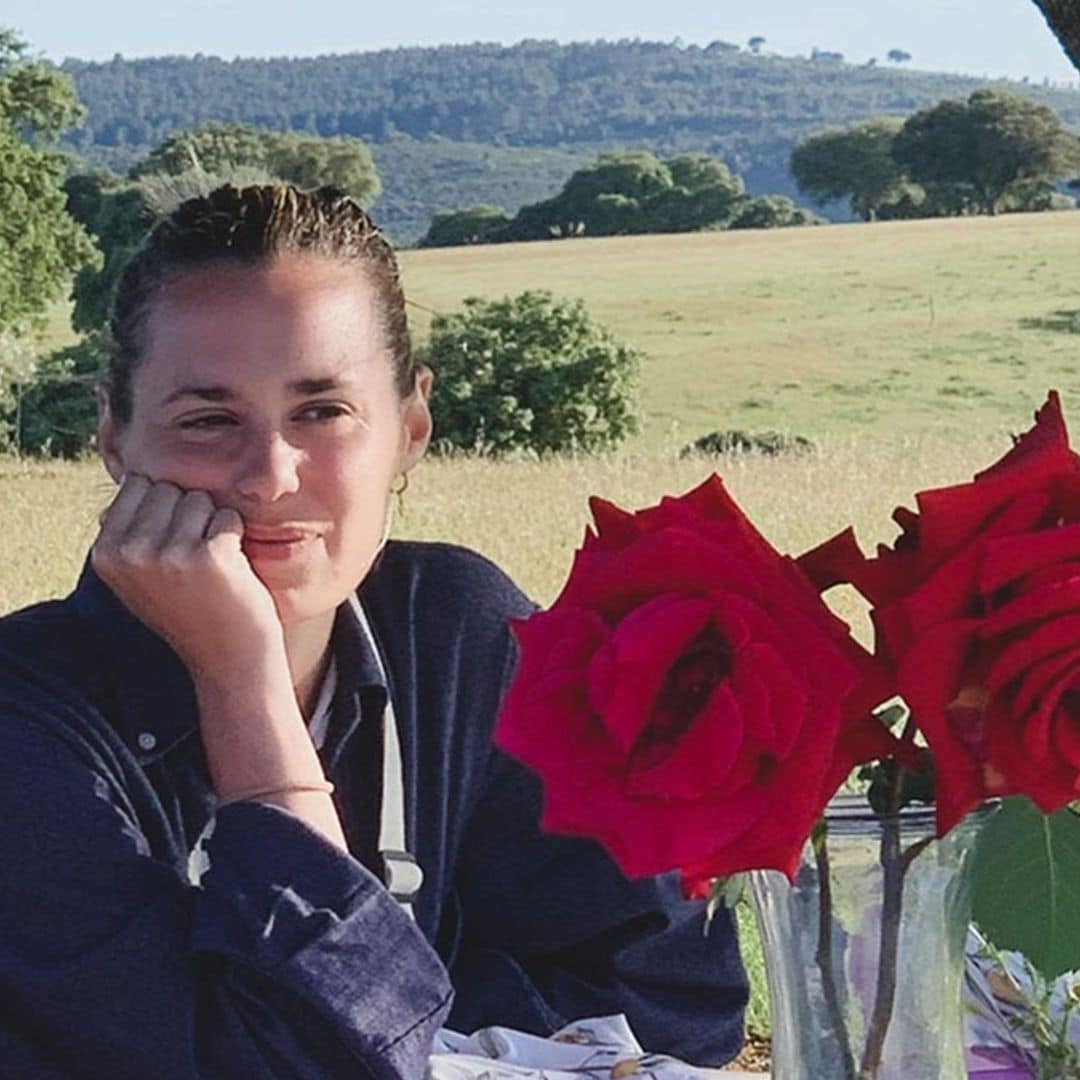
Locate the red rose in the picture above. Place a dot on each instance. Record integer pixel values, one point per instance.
(688, 699)
(978, 607)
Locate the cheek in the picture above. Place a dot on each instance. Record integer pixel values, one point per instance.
(354, 490)
(189, 466)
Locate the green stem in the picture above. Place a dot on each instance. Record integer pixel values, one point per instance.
(824, 955)
(891, 905)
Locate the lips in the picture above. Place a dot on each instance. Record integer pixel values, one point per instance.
(275, 544)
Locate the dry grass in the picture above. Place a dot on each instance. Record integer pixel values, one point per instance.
(529, 516)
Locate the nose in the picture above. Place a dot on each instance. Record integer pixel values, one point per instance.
(268, 468)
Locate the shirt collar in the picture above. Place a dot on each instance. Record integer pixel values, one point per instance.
(154, 705)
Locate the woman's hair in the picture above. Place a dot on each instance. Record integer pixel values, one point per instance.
(250, 226)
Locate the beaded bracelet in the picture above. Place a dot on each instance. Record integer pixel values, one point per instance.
(323, 787)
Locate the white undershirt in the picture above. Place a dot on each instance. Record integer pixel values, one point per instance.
(320, 718)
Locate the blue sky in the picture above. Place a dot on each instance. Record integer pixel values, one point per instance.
(981, 37)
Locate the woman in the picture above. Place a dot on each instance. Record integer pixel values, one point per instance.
(196, 742)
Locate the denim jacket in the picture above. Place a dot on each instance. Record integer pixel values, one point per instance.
(288, 957)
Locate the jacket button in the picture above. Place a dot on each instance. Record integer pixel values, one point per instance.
(147, 741)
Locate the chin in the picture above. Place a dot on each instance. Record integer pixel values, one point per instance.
(302, 602)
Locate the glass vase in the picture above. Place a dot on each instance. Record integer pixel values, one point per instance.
(864, 953)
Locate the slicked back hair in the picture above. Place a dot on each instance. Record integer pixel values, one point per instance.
(250, 226)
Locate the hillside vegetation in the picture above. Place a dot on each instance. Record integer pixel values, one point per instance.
(541, 107)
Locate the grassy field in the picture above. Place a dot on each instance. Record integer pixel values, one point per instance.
(907, 351)
(909, 327)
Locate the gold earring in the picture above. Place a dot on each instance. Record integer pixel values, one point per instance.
(399, 492)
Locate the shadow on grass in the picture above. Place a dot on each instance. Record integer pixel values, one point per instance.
(1063, 321)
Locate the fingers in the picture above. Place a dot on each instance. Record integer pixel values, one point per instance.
(192, 514)
(148, 520)
(225, 523)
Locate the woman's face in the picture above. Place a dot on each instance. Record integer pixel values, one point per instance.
(272, 389)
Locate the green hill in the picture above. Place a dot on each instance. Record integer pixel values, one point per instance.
(538, 107)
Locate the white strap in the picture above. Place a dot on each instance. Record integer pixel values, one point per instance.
(403, 874)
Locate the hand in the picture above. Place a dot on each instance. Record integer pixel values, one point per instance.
(174, 559)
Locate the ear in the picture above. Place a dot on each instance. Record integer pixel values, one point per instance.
(416, 420)
(108, 438)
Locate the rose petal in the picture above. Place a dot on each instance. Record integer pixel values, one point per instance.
(1036, 726)
(669, 561)
(626, 675)
(1043, 447)
(931, 675)
(761, 665)
(1038, 644)
(1014, 557)
(1037, 681)
(1032, 607)
(615, 528)
(699, 761)
(1067, 733)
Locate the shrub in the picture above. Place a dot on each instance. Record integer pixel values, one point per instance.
(773, 212)
(768, 443)
(56, 413)
(476, 225)
(529, 373)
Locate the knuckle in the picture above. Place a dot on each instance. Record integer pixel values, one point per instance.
(135, 551)
(198, 500)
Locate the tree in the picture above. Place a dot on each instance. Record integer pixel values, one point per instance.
(116, 213)
(993, 142)
(898, 56)
(772, 212)
(475, 225)
(529, 373)
(855, 163)
(55, 412)
(305, 160)
(40, 245)
(627, 192)
(1063, 18)
(755, 44)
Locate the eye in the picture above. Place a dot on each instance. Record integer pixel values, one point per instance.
(322, 412)
(206, 422)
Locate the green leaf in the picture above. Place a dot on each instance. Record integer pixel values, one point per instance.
(1027, 884)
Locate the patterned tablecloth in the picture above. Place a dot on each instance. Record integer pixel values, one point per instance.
(601, 1048)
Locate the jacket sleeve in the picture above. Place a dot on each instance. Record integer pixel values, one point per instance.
(553, 931)
(288, 960)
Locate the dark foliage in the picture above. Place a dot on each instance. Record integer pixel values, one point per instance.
(747, 110)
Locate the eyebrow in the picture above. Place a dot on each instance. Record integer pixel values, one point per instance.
(300, 387)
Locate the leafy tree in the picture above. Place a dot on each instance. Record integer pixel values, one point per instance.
(116, 213)
(756, 44)
(305, 160)
(992, 142)
(55, 413)
(855, 163)
(529, 373)
(475, 225)
(635, 192)
(772, 212)
(40, 245)
(898, 56)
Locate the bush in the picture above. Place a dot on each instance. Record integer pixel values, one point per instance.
(768, 443)
(529, 373)
(56, 414)
(476, 225)
(773, 212)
